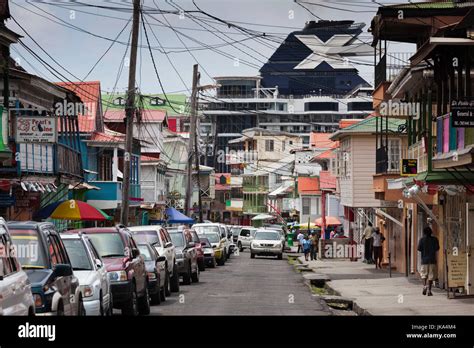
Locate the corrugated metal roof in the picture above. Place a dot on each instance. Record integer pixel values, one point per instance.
(369, 125)
(308, 185)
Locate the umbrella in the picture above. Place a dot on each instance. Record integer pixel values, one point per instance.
(263, 217)
(305, 226)
(330, 220)
(176, 217)
(72, 210)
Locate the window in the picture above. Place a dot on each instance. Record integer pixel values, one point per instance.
(269, 145)
(105, 167)
(394, 155)
(306, 202)
(317, 199)
(283, 146)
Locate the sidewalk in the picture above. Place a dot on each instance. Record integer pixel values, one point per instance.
(374, 293)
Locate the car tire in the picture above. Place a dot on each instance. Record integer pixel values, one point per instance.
(240, 247)
(165, 289)
(60, 310)
(280, 256)
(201, 266)
(174, 284)
(101, 305)
(252, 255)
(213, 264)
(81, 310)
(110, 310)
(156, 297)
(144, 302)
(187, 276)
(130, 308)
(195, 276)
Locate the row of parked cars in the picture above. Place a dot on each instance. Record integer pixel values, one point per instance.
(91, 271)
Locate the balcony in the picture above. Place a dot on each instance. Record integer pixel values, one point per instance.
(69, 161)
(110, 194)
(388, 67)
(252, 209)
(255, 189)
(240, 157)
(388, 161)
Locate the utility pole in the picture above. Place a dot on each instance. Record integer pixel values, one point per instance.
(192, 138)
(194, 110)
(129, 115)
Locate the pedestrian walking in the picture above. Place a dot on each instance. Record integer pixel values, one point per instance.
(377, 239)
(314, 245)
(367, 237)
(428, 246)
(300, 238)
(306, 247)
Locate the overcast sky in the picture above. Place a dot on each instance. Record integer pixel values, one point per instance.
(78, 51)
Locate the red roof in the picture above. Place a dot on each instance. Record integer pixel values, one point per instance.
(308, 185)
(89, 92)
(344, 123)
(322, 141)
(326, 154)
(107, 137)
(145, 158)
(147, 116)
(327, 180)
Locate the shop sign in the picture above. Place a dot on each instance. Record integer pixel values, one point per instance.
(457, 269)
(462, 112)
(36, 129)
(409, 167)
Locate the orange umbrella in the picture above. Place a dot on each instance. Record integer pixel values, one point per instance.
(330, 220)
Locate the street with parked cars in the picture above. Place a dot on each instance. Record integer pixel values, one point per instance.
(140, 270)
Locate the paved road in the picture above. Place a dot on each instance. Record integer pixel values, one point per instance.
(244, 286)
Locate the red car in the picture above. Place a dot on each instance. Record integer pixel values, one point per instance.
(199, 250)
(125, 267)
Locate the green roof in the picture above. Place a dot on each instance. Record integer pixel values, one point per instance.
(369, 125)
(177, 103)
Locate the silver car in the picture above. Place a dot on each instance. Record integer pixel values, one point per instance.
(245, 237)
(266, 242)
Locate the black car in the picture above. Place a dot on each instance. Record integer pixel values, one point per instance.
(186, 255)
(156, 287)
(42, 255)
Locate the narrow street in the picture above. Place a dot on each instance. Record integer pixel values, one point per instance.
(262, 286)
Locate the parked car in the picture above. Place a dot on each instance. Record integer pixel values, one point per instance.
(154, 264)
(209, 255)
(125, 267)
(158, 237)
(266, 242)
(186, 255)
(219, 228)
(213, 234)
(42, 254)
(15, 287)
(235, 230)
(245, 237)
(199, 250)
(90, 270)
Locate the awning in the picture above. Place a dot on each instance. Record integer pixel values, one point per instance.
(395, 184)
(83, 186)
(263, 217)
(176, 217)
(286, 187)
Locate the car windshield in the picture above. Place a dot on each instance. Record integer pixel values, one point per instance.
(212, 237)
(29, 249)
(77, 254)
(177, 238)
(235, 230)
(206, 229)
(267, 235)
(150, 237)
(108, 244)
(145, 251)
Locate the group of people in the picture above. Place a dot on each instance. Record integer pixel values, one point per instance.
(373, 241)
(308, 244)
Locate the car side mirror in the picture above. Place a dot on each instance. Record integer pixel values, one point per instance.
(62, 270)
(98, 263)
(168, 244)
(161, 259)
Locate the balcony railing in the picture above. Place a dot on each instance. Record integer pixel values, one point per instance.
(69, 161)
(390, 65)
(240, 157)
(252, 209)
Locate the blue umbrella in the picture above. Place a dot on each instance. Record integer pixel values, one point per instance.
(46, 211)
(176, 217)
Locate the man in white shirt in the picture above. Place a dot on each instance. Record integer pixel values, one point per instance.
(367, 238)
(300, 238)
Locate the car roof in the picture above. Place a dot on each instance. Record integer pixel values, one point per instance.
(207, 224)
(94, 230)
(70, 236)
(27, 225)
(266, 230)
(145, 228)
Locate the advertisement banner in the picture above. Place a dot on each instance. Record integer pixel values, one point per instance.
(36, 129)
